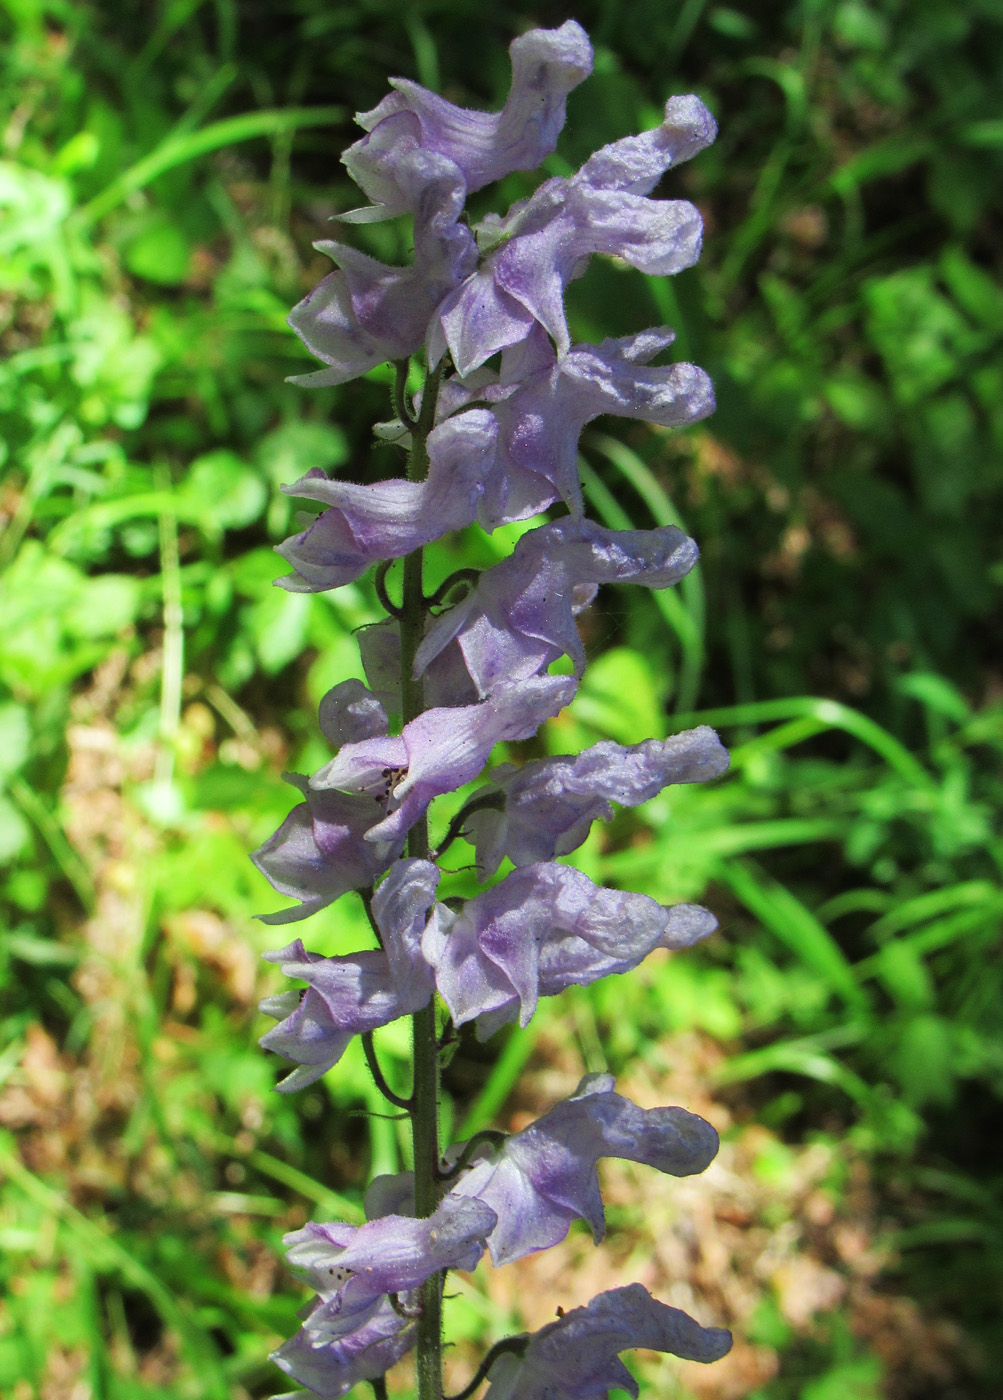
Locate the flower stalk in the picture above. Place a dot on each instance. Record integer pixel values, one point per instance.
(492, 440)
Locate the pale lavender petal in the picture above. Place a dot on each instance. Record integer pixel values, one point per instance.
(353, 1267)
(391, 518)
(546, 65)
(577, 1357)
(521, 615)
(637, 163)
(401, 904)
(320, 852)
(345, 996)
(349, 712)
(476, 320)
(326, 323)
(448, 747)
(331, 1368)
(547, 806)
(543, 928)
(541, 1179)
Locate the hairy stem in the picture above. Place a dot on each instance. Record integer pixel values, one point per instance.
(425, 1095)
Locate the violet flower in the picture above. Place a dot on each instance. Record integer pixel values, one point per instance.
(545, 241)
(438, 752)
(353, 1267)
(390, 518)
(542, 929)
(521, 615)
(543, 1178)
(577, 1357)
(545, 808)
(357, 992)
(331, 1368)
(546, 65)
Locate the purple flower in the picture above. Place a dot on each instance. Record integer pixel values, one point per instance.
(540, 930)
(331, 1368)
(521, 615)
(542, 403)
(577, 1357)
(353, 1267)
(438, 752)
(446, 679)
(367, 311)
(357, 992)
(547, 806)
(546, 65)
(541, 1179)
(320, 852)
(391, 518)
(545, 242)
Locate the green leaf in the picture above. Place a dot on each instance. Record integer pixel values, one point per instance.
(160, 253)
(224, 491)
(15, 738)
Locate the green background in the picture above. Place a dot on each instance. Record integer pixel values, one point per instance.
(164, 169)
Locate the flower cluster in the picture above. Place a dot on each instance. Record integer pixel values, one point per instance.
(492, 438)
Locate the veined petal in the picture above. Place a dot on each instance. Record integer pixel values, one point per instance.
(543, 928)
(331, 1368)
(345, 996)
(521, 615)
(546, 65)
(547, 806)
(320, 852)
(542, 1178)
(391, 518)
(577, 1357)
(353, 1267)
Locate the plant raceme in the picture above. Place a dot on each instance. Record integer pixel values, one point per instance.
(492, 438)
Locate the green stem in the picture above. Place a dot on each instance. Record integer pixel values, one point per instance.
(425, 1095)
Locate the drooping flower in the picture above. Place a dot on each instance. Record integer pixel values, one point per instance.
(365, 524)
(521, 615)
(367, 311)
(546, 241)
(542, 929)
(543, 402)
(356, 992)
(546, 807)
(484, 146)
(577, 1357)
(544, 1177)
(331, 1368)
(353, 1267)
(438, 752)
(320, 851)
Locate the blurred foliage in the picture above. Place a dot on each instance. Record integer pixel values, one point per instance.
(163, 171)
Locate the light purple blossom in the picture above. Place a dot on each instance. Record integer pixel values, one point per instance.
(542, 929)
(547, 806)
(546, 241)
(356, 992)
(438, 752)
(320, 851)
(521, 615)
(541, 1179)
(546, 65)
(391, 518)
(331, 1368)
(368, 311)
(353, 1267)
(577, 1357)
